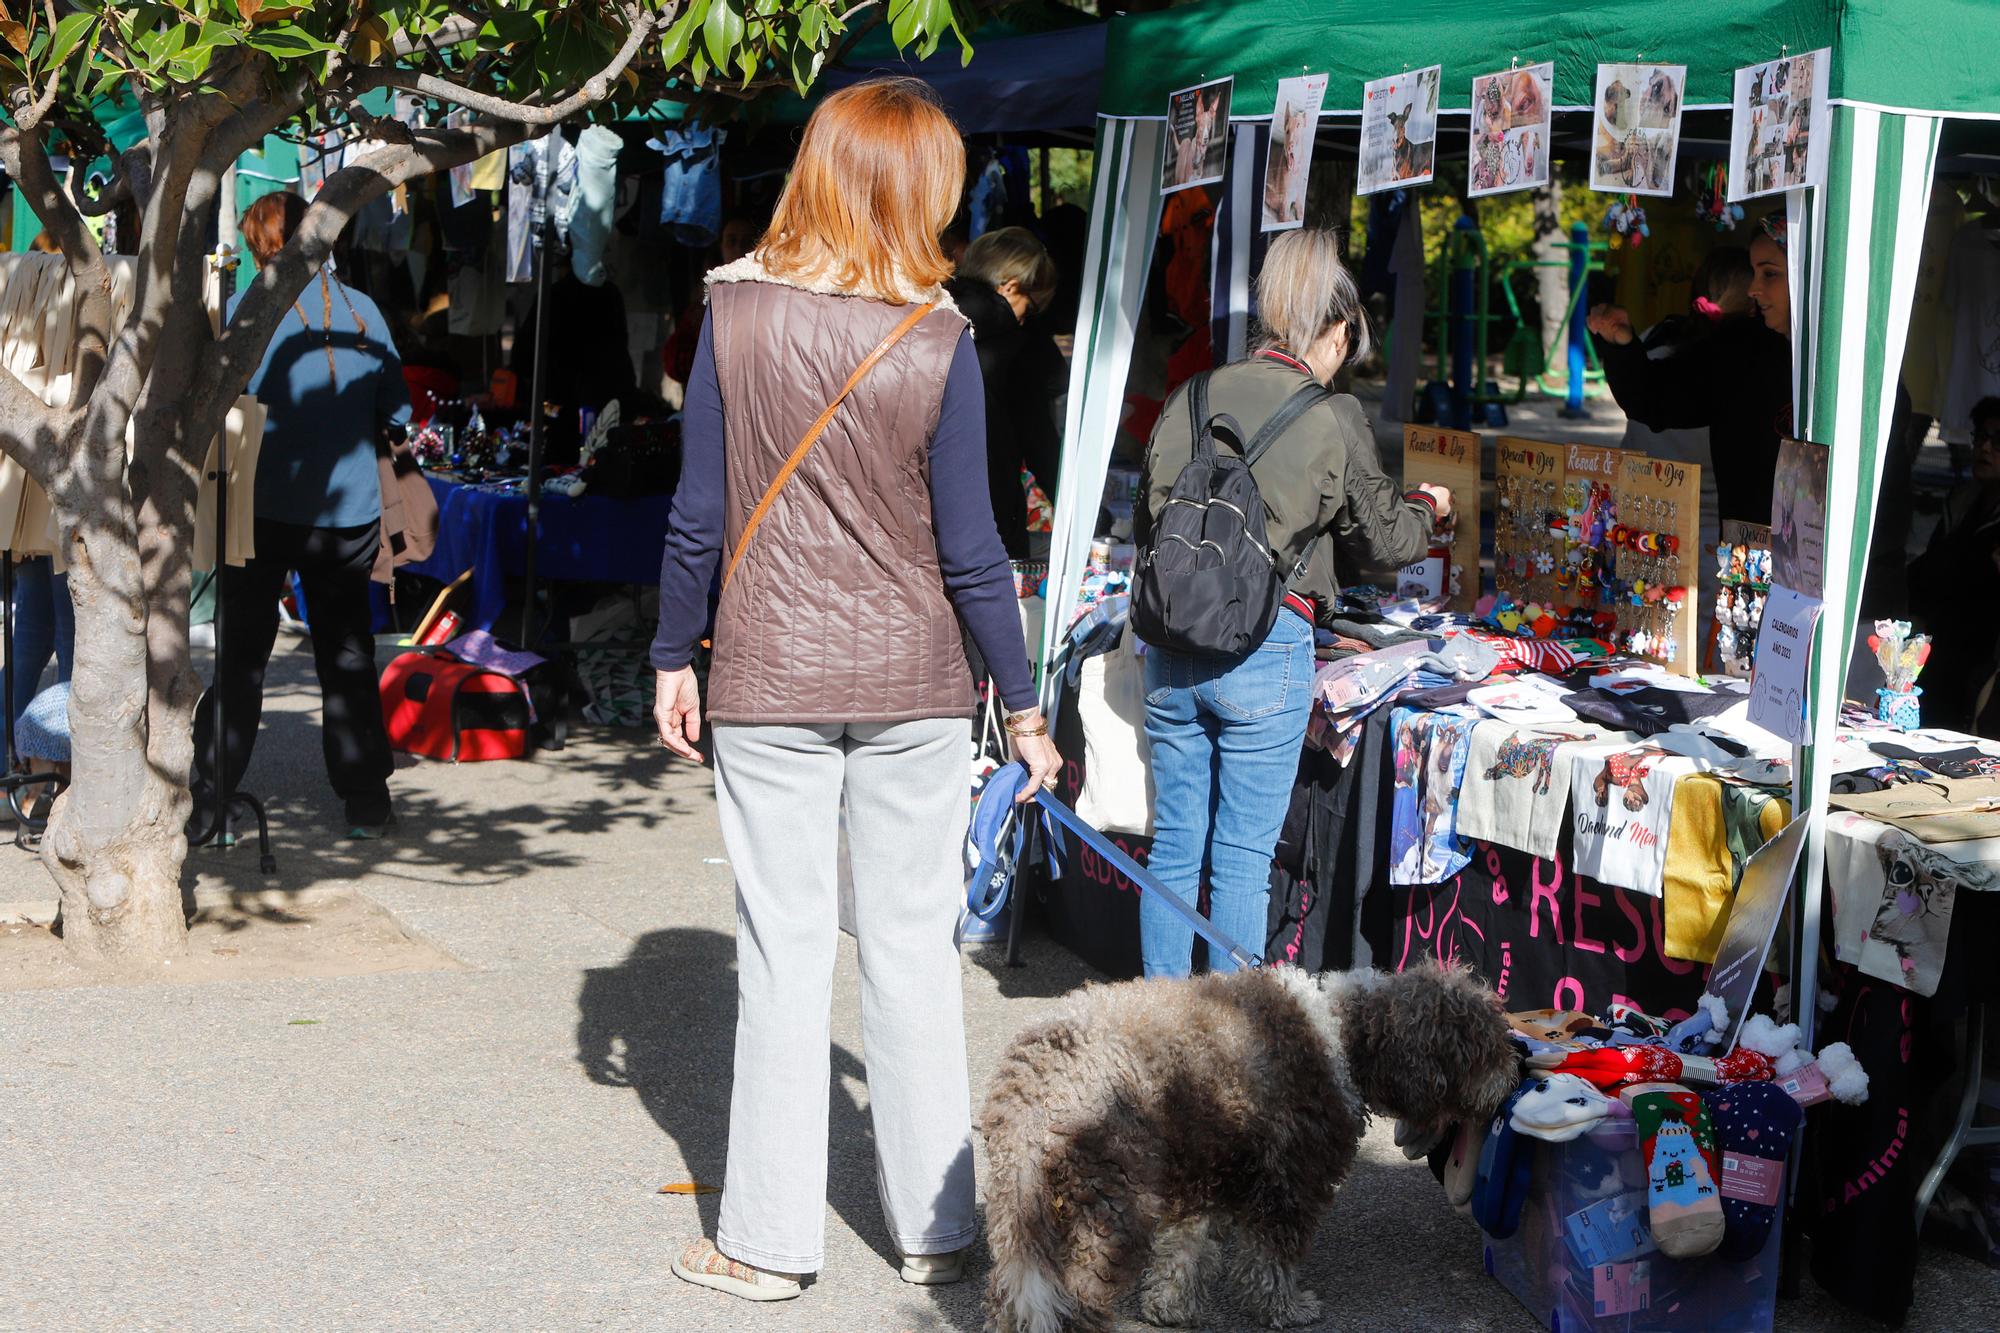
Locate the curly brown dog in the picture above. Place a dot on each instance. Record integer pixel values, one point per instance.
(1155, 1120)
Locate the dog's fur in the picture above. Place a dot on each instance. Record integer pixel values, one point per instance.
(1154, 1120)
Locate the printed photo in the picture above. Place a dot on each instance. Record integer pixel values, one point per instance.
(1294, 122)
(1636, 132)
(1778, 136)
(1798, 518)
(1510, 129)
(1197, 136)
(1399, 130)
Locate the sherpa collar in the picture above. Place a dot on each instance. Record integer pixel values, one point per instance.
(751, 268)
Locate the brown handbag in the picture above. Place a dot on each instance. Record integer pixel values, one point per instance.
(813, 433)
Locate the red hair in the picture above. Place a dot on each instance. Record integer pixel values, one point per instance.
(878, 177)
(270, 222)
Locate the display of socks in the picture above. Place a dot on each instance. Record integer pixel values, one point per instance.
(1754, 1124)
(1683, 1199)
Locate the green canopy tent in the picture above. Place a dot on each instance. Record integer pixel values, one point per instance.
(1901, 68)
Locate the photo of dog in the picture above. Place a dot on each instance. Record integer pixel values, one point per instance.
(1637, 128)
(1510, 117)
(1779, 128)
(1160, 1135)
(1198, 136)
(1294, 122)
(1399, 130)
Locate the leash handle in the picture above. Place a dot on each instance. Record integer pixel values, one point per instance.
(1144, 879)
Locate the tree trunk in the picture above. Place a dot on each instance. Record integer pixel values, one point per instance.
(1552, 284)
(116, 842)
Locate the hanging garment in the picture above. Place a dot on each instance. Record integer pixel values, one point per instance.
(1714, 829)
(691, 194)
(1893, 897)
(1430, 754)
(1972, 295)
(988, 201)
(593, 203)
(1623, 808)
(1517, 782)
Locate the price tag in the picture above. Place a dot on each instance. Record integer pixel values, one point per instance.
(1621, 1288)
(1759, 1180)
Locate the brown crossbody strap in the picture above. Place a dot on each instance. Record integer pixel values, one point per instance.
(813, 433)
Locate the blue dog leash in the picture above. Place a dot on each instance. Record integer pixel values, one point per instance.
(999, 832)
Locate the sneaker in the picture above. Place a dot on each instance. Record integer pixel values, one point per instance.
(934, 1270)
(705, 1266)
(370, 817)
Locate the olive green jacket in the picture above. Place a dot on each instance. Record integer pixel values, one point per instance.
(1322, 476)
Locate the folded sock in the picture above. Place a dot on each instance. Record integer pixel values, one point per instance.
(1559, 1108)
(1461, 1162)
(1610, 1068)
(1505, 1170)
(1754, 1124)
(1683, 1202)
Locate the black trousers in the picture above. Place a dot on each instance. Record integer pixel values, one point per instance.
(333, 566)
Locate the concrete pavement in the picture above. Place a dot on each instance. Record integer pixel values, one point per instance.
(482, 1149)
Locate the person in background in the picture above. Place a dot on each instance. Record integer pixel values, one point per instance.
(1005, 279)
(737, 239)
(1954, 586)
(44, 628)
(1736, 381)
(840, 681)
(331, 383)
(1225, 735)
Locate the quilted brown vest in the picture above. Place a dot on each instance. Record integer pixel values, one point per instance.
(838, 611)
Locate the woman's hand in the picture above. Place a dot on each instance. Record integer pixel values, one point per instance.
(1611, 323)
(677, 710)
(1035, 752)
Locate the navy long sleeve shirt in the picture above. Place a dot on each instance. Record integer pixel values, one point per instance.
(977, 576)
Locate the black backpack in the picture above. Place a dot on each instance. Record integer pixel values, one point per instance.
(1208, 584)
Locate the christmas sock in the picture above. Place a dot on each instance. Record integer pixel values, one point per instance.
(1754, 1124)
(1610, 1068)
(1559, 1108)
(1683, 1204)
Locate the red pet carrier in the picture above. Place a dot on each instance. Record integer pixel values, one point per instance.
(439, 707)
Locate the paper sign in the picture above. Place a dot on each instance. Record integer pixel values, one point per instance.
(1450, 458)
(1778, 681)
(1753, 921)
(1621, 1288)
(1423, 580)
(1510, 130)
(1197, 136)
(1752, 1179)
(1798, 518)
(1779, 134)
(1399, 130)
(1636, 128)
(1294, 125)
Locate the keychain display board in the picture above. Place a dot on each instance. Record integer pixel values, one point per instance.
(1661, 499)
(1743, 575)
(1450, 458)
(1527, 543)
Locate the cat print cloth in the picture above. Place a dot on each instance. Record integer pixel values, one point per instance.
(1517, 782)
(1893, 897)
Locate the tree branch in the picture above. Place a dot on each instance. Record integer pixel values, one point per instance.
(639, 26)
(27, 161)
(449, 33)
(131, 182)
(31, 434)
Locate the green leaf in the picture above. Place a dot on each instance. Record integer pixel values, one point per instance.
(71, 32)
(698, 68)
(510, 27)
(722, 31)
(904, 16)
(287, 41)
(812, 22)
(674, 47)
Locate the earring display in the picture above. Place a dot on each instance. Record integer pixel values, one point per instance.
(1530, 523)
(1450, 458)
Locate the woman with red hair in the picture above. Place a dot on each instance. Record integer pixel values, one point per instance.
(834, 444)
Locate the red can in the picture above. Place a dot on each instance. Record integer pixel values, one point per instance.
(443, 630)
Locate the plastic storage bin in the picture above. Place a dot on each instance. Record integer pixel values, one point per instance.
(1583, 1258)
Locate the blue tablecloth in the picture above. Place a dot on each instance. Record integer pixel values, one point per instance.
(589, 539)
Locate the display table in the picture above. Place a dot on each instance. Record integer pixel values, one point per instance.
(587, 539)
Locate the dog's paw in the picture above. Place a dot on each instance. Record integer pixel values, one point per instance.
(1302, 1309)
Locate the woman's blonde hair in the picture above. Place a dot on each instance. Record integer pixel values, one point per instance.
(1012, 254)
(878, 177)
(1305, 290)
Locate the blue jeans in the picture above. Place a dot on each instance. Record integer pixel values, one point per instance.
(1225, 739)
(44, 627)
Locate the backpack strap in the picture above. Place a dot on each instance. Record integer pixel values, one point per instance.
(1301, 402)
(1198, 419)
